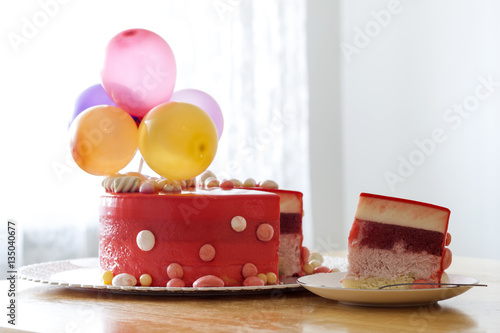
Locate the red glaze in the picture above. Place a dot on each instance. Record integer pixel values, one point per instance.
(182, 224)
(413, 202)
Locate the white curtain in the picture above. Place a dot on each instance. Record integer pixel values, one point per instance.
(420, 108)
(249, 55)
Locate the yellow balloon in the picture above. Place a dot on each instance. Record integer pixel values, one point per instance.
(178, 140)
(103, 140)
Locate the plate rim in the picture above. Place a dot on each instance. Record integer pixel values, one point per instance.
(24, 273)
(342, 294)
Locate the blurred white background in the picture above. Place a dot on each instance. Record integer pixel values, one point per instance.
(391, 97)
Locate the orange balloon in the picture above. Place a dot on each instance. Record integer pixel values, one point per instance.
(178, 140)
(103, 140)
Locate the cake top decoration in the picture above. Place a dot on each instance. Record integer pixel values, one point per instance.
(135, 107)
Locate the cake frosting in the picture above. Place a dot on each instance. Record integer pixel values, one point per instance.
(397, 241)
(193, 231)
(199, 232)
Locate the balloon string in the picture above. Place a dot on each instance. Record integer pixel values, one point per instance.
(140, 164)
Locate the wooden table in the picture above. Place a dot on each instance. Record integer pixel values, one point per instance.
(45, 308)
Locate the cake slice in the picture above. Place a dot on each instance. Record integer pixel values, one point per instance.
(397, 241)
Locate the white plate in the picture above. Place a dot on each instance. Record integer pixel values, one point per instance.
(85, 274)
(328, 285)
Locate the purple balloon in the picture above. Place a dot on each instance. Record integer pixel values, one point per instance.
(92, 96)
(205, 102)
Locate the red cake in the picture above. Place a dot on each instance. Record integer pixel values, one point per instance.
(397, 241)
(226, 236)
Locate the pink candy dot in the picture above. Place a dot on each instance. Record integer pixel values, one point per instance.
(207, 252)
(249, 270)
(421, 286)
(448, 239)
(321, 269)
(176, 283)
(175, 271)
(227, 184)
(447, 257)
(305, 254)
(253, 281)
(265, 232)
(208, 281)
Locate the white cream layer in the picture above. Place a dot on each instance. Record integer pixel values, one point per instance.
(402, 213)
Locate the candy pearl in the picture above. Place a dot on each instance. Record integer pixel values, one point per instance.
(265, 232)
(226, 185)
(447, 258)
(238, 223)
(175, 271)
(308, 269)
(207, 252)
(148, 186)
(124, 280)
(211, 182)
(253, 281)
(145, 240)
(208, 281)
(321, 269)
(249, 270)
(263, 277)
(271, 184)
(316, 256)
(271, 278)
(249, 182)
(207, 174)
(107, 277)
(176, 283)
(190, 183)
(314, 263)
(172, 188)
(145, 280)
(236, 182)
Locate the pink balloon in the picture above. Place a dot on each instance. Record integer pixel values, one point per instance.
(205, 102)
(139, 71)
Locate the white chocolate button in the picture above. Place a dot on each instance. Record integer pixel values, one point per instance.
(205, 175)
(211, 182)
(238, 223)
(124, 280)
(269, 184)
(249, 182)
(145, 240)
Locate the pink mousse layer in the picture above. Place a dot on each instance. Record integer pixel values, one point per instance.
(388, 251)
(372, 262)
